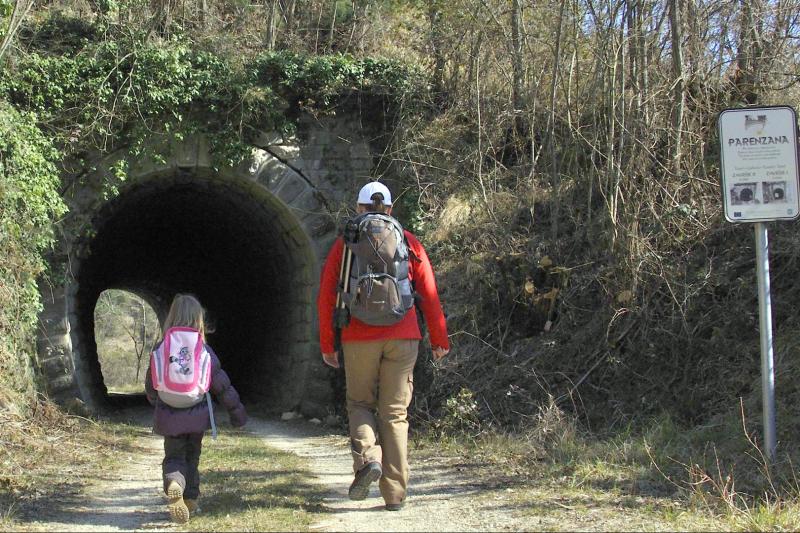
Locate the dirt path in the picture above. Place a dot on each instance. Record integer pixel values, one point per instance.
(441, 497)
(438, 497)
(127, 499)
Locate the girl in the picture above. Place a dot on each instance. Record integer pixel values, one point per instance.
(183, 428)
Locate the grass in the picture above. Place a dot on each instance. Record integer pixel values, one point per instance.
(247, 486)
(658, 477)
(576, 486)
(131, 388)
(49, 451)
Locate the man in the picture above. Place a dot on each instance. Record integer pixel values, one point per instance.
(379, 363)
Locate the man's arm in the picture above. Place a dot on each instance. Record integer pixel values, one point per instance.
(425, 286)
(326, 302)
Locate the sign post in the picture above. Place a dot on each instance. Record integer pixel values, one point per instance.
(765, 327)
(760, 183)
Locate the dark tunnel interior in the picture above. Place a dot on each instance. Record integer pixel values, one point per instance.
(229, 243)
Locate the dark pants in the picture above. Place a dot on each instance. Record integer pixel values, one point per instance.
(181, 459)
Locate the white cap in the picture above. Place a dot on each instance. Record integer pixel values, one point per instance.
(366, 192)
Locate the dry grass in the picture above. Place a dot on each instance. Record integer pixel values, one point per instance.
(660, 476)
(48, 452)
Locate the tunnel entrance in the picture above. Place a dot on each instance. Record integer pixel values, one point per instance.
(229, 242)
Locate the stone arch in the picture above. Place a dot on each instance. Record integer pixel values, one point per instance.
(254, 254)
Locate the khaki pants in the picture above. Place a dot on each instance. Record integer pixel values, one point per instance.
(380, 376)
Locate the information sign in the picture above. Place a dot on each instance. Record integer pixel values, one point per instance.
(758, 152)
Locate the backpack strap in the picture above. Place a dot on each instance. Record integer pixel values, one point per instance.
(412, 255)
(211, 417)
(341, 314)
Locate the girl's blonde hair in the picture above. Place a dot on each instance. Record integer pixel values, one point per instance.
(186, 311)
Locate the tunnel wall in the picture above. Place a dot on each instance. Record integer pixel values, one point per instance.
(310, 179)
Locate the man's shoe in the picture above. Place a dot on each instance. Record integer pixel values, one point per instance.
(364, 477)
(178, 511)
(395, 506)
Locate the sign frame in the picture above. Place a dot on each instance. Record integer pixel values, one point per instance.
(753, 164)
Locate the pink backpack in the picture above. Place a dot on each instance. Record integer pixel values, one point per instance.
(181, 368)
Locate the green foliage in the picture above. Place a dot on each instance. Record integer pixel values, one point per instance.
(29, 201)
(29, 197)
(115, 93)
(6, 8)
(320, 79)
(460, 414)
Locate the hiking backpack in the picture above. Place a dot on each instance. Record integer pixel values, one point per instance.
(181, 368)
(378, 291)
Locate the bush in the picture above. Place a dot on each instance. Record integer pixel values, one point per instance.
(29, 201)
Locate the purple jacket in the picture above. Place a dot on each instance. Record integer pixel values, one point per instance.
(171, 421)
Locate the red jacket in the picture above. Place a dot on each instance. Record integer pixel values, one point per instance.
(420, 275)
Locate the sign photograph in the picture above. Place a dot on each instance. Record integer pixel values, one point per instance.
(759, 164)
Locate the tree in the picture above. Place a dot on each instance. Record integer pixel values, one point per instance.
(126, 329)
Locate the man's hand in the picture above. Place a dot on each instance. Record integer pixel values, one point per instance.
(439, 352)
(331, 359)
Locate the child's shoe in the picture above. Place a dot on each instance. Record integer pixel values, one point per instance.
(178, 511)
(192, 505)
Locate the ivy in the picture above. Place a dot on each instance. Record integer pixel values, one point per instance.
(29, 202)
(29, 197)
(115, 93)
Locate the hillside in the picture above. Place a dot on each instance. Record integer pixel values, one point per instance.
(560, 163)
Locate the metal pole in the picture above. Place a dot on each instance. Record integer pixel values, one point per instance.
(765, 326)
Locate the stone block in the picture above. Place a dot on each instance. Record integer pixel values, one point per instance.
(317, 177)
(311, 151)
(294, 238)
(307, 203)
(184, 153)
(54, 347)
(360, 150)
(263, 167)
(272, 138)
(290, 188)
(64, 397)
(203, 153)
(320, 137)
(63, 383)
(285, 152)
(317, 225)
(322, 247)
(146, 165)
(54, 368)
(54, 322)
(362, 166)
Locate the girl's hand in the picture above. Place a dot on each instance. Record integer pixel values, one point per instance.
(439, 352)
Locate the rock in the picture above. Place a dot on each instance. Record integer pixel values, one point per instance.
(76, 406)
(331, 420)
(315, 421)
(290, 415)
